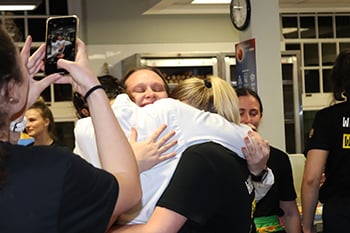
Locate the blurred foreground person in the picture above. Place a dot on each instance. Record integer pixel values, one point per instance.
(49, 189)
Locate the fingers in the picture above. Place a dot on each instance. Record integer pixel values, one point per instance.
(45, 82)
(38, 86)
(157, 133)
(133, 135)
(25, 51)
(252, 126)
(35, 62)
(167, 156)
(166, 137)
(65, 64)
(167, 146)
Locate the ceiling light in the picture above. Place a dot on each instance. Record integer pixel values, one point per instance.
(211, 1)
(19, 5)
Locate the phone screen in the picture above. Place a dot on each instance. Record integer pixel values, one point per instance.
(61, 34)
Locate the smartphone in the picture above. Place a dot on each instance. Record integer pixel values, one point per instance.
(61, 35)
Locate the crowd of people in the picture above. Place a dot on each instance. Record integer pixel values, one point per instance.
(151, 159)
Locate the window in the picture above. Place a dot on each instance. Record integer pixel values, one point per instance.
(319, 37)
(20, 24)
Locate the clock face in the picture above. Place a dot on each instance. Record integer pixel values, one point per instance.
(240, 13)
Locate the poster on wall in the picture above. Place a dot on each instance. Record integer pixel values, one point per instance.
(246, 64)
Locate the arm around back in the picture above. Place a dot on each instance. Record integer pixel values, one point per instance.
(113, 147)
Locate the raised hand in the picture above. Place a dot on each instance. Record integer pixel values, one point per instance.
(151, 152)
(34, 63)
(257, 152)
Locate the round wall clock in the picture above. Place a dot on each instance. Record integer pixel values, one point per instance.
(240, 13)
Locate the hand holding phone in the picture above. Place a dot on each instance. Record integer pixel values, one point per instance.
(61, 35)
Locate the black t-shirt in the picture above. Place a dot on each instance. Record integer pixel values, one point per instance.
(331, 132)
(49, 189)
(282, 189)
(210, 188)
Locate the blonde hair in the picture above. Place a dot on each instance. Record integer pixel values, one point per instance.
(212, 94)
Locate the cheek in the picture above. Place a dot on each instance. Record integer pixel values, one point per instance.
(255, 121)
(162, 95)
(137, 97)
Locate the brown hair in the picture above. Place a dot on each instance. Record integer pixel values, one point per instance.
(9, 70)
(340, 76)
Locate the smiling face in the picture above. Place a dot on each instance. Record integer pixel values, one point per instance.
(36, 124)
(250, 110)
(145, 87)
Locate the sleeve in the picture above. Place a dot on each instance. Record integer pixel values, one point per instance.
(262, 188)
(286, 190)
(85, 142)
(319, 135)
(88, 198)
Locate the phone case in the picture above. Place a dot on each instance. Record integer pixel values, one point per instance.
(61, 34)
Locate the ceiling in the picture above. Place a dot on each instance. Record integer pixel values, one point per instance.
(185, 7)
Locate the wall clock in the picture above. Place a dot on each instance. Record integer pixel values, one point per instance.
(240, 14)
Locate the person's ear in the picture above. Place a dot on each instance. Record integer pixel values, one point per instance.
(85, 112)
(9, 91)
(47, 122)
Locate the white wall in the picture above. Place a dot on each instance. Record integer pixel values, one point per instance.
(115, 29)
(112, 54)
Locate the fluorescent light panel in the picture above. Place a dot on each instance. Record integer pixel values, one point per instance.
(19, 5)
(211, 1)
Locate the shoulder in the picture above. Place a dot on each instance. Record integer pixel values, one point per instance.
(53, 161)
(83, 121)
(84, 125)
(278, 155)
(278, 152)
(211, 152)
(173, 104)
(333, 109)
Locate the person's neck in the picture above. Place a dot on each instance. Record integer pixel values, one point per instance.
(44, 139)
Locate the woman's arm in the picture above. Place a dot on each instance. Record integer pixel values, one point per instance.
(315, 163)
(291, 217)
(113, 147)
(162, 221)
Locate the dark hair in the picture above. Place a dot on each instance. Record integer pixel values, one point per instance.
(340, 76)
(46, 113)
(150, 68)
(79, 104)
(245, 91)
(111, 85)
(9, 70)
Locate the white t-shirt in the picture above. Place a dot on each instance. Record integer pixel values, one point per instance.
(192, 126)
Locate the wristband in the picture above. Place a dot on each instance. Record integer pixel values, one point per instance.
(18, 126)
(92, 89)
(260, 177)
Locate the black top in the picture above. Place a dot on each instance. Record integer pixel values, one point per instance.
(331, 132)
(49, 189)
(283, 187)
(209, 187)
(54, 143)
